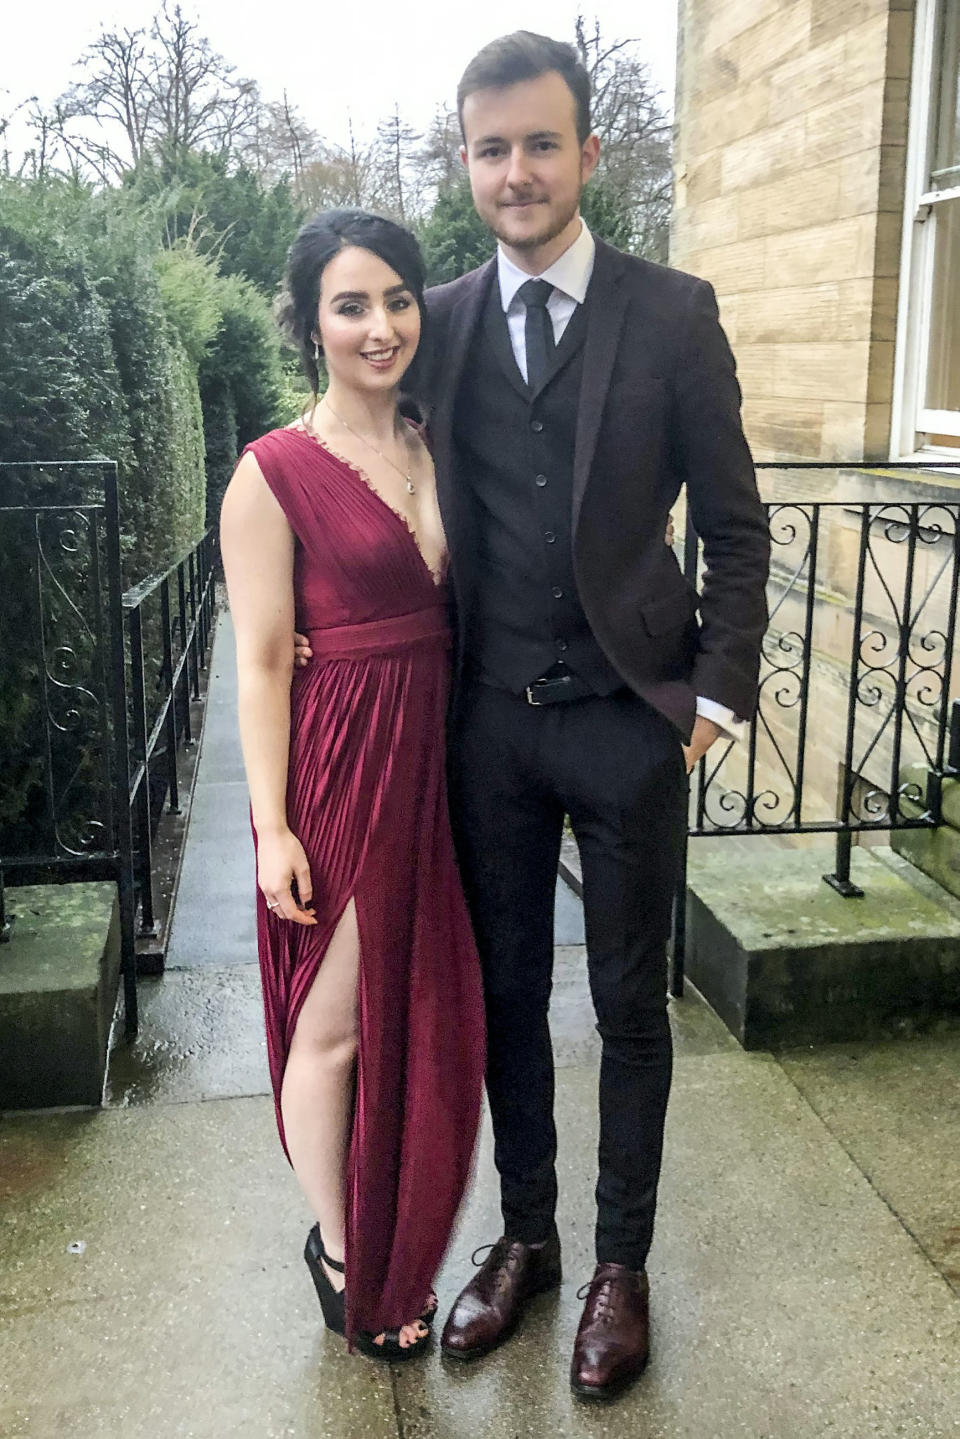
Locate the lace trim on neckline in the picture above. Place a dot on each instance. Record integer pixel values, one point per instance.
(437, 579)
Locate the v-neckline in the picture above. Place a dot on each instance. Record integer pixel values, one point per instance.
(437, 581)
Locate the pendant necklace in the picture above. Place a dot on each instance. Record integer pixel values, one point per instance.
(406, 476)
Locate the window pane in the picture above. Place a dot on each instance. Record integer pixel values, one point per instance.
(946, 164)
(943, 364)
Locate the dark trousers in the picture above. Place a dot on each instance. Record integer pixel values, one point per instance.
(615, 765)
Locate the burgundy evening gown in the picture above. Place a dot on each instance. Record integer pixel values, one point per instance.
(367, 798)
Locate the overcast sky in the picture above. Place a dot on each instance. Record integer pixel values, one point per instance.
(353, 56)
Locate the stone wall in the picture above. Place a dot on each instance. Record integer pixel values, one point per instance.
(791, 132)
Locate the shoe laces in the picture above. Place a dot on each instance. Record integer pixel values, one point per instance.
(502, 1257)
(500, 1252)
(605, 1297)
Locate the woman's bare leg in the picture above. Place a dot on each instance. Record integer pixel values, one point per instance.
(316, 1097)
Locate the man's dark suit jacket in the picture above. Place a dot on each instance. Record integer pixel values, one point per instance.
(659, 408)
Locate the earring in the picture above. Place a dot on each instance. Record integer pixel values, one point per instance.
(317, 352)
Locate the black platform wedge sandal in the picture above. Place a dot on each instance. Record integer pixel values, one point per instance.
(333, 1305)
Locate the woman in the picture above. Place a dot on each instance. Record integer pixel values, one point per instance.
(371, 982)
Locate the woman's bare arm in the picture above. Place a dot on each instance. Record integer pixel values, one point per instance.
(257, 545)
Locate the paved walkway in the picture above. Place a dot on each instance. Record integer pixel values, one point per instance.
(805, 1273)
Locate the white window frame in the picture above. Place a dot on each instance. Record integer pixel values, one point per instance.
(910, 417)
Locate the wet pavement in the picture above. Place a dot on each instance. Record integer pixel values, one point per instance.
(805, 1273)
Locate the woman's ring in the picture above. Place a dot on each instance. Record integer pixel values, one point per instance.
(273, 904)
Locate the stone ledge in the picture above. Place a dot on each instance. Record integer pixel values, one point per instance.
(784, 960)
(936, 852)
(58, 986)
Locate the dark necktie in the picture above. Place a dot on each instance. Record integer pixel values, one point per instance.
(538, 330)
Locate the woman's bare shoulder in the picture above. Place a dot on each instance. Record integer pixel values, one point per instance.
(248, 497)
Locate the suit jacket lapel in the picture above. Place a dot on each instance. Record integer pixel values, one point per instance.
(570, 341)
(604, 321)
(461, 329)
(498, 333)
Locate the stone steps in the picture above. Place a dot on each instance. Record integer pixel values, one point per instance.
(58, 986)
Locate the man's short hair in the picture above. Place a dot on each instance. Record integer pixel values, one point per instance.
(525, 55)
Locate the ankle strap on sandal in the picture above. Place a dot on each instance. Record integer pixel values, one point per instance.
(333, 1264)
(315, 1246)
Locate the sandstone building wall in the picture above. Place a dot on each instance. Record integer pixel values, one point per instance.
(791, 131)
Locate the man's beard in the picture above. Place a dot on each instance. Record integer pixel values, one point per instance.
(556, 227)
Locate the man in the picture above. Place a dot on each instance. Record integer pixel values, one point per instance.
(574, 389)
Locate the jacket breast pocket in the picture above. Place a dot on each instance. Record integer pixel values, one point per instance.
(635, 422)
(646, 395)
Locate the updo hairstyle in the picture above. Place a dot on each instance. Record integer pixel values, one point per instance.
(317, 242)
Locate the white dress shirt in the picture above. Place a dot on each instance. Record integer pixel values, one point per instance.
(570, 276)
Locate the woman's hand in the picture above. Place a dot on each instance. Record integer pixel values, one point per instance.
(281, 861)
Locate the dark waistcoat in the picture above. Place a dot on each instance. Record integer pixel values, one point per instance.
(514, 450)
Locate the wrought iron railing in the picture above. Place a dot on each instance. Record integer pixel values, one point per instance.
(856, 670)
(92, 677)
(169, 621)
(855, 679)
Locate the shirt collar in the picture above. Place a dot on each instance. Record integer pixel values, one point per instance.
(571, 273)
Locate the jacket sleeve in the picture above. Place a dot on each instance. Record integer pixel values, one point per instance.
(429, 363)
(725, 508)
(419, 384)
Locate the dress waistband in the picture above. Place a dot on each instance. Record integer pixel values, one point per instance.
(380, 636)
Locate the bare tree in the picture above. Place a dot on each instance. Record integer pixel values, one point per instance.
(635, 133)
(115, 91)
(361, 162)
(342, 175)
(52, 151)
(281, 146)
(159, 91)
(396, 150)
(198, 102)
(439, 157)
(296, 132)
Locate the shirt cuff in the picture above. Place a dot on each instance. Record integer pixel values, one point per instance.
(730, 725)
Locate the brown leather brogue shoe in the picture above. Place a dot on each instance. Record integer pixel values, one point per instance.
(613, 1340)
(490, 1307)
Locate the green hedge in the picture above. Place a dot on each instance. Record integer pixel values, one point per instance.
(220, 439)
(105, 340)
(60, 389)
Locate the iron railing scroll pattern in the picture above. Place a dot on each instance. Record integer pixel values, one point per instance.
(63, 810)
(73, 681)
(855, 679)
(102, 676)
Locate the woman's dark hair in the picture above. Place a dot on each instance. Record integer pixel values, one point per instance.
(317, 242)
(524, 55)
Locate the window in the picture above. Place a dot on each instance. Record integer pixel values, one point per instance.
(927, 406)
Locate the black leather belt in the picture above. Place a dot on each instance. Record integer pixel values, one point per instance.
(551, 689)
